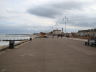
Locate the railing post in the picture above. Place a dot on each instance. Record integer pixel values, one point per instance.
(11, 44)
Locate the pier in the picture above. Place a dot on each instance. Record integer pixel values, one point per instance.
(49, 55)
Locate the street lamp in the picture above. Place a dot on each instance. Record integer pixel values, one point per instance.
(65, 19)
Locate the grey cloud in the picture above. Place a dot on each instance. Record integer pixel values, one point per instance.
(81, 21)
(45, 12)
(3, 17)
(54, 9)
(85, 21)
(68, 5)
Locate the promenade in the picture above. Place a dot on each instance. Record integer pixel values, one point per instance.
(49, 55)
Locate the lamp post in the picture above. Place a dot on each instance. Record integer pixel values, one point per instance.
(65, 19)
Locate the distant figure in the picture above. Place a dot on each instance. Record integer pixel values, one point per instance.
(59, 35)
(53, 36)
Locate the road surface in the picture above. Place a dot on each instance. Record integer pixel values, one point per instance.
(49, 55)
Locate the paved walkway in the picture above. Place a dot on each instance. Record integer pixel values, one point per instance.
(49, 55)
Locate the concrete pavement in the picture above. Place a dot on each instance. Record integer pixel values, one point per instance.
(49, 55)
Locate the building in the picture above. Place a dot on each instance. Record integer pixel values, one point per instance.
(87, 33)
(56, 32)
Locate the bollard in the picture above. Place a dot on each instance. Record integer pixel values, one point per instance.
(11, 44)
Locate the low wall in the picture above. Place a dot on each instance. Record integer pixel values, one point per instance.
(2, 48)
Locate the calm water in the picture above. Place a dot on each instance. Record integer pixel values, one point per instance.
(12, 37)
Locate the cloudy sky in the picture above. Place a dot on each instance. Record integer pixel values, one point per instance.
(29, 16)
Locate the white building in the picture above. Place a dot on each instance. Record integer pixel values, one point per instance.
(56, 32)
(90, 32)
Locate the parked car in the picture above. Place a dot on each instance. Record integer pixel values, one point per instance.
(91, 42)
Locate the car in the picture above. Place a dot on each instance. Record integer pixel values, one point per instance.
(91, 42)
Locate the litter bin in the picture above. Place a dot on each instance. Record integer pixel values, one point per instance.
(11, 44)
(30, 39)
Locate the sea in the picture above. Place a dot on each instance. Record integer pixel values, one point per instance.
(12, 37)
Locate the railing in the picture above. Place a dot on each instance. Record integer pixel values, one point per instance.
(12, 38)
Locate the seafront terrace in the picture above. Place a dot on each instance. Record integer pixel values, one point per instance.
(49, 55)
